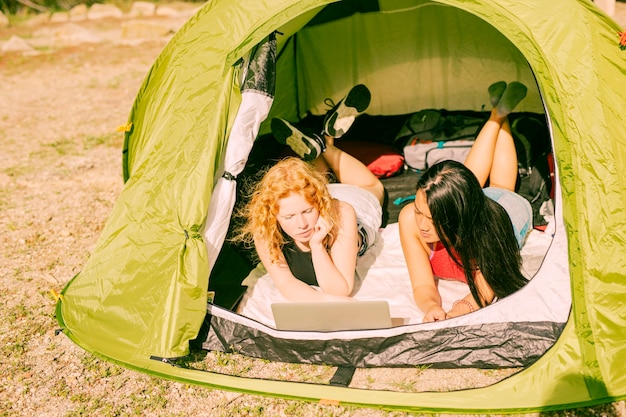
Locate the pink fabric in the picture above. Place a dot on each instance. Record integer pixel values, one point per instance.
(443, 266)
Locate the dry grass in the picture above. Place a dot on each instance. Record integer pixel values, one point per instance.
(60, 174)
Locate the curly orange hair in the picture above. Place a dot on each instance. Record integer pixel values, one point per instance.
(290, 175)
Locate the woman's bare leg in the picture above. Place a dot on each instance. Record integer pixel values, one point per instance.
(504, 168)
(493, 155)
(348, 169)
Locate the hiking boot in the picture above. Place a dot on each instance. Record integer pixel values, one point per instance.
(306, 144)
(339, 119)
(495, 92)
(514, 93)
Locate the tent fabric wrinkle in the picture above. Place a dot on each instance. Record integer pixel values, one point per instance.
(206, 103)
(468, 346)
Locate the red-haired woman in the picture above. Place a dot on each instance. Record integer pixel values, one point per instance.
(308, 233)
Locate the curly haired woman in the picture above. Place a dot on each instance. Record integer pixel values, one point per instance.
(308, 233)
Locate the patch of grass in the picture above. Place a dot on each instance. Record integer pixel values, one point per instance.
(405, 386)
(25, 324)
(148, 400)
(60, 388)
(294, 409)
(235, 364)
(53, 264)
(17, 348)
(318, 374)
(11, 226)
(113, 140)
(114, 82)
(17, 18)
(240, 365)
(248, 410)
(92, 406)
(4, 204)
(18, 312)
(93, 83)
(35, 240)
(16, 171)
(62, 146)
(602, 410)
(99, 368)
(421, 368)
(18, 366)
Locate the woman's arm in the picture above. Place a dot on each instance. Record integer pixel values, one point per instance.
(463, 306)
(335, 270)
(468, 304)
(416, 254)
(289, 286)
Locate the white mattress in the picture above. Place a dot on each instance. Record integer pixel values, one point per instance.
(382, 275)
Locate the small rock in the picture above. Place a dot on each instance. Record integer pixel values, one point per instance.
(101, 11)
(68, 34)
(39, 19)
(142, 8)
(167, 11)
(61, 17)
(78, 13)
(137, 29)
(16, 44)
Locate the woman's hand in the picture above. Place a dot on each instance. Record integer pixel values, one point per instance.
(435, 313)
(462, 307)
(320, 231)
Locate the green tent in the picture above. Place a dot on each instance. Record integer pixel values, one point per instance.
(143, 293)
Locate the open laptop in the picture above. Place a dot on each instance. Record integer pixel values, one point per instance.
(332, 316)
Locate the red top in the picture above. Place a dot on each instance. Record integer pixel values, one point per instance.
(443, 266)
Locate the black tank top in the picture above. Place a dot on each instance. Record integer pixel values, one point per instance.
(300, 263)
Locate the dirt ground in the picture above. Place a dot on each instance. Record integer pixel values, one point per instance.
(60, 174)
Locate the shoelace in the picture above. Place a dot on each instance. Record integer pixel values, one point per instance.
(329, 102)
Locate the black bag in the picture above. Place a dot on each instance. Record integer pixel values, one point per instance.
(535, 166)
(532, 139)
(429, 136)
(432, 125)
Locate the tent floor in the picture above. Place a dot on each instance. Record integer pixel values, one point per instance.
(398, 187)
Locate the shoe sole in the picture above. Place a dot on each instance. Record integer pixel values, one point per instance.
(358, 98)
(286, 134)
(355, 103)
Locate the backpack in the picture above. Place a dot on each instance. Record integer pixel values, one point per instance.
(535, 164)
(429, 136)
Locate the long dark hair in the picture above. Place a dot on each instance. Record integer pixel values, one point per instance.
(474, 227)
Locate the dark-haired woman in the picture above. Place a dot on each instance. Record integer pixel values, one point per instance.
(457, 230)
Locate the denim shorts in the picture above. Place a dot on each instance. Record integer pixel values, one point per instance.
(518, 208)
